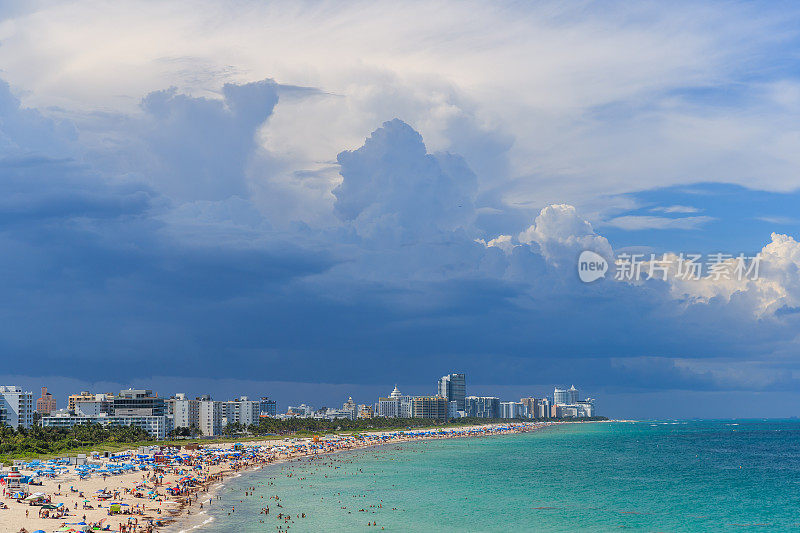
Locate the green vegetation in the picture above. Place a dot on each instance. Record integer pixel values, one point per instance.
(45, 443)
(38, 441)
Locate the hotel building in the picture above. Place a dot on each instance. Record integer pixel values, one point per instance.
(430, 407)
(209, 416)
(156, 426)
(185, 413)
(242, 411)
(16, 407)
(483, 406)
(453, 387)
(46, 404)
(133, 407)
(268, 407)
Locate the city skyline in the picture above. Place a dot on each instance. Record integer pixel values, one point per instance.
(161, 415)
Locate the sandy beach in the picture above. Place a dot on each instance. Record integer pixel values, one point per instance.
(171, 491)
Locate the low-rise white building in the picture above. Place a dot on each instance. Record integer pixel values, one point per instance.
(156, 426)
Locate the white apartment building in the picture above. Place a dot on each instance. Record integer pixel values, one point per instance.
(156, 426)
(101, 404)
(16, 407)
(242, 410)
(210, 417)
(513, 410)
(185, 413)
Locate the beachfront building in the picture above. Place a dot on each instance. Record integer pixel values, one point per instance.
(572, 395)
(531, 404)
(543, 408)
(453, 411)
(430, 407)
(579, 409)
(407, 407)
(537, 407)
(483, 406)
(268, 407)
(513, 410)
(99, 404)
(560, 396)
(185, 412)
(242, 410)
(156, 426)
(16, 407)
(138, 402)
(390, 407)
(133, 407)
(301, 411)
(78, 397)
(350, 408)
(46, 404)
(567, 404)
(209, 416)
(365, 411)
(565, 397)
(453, 387)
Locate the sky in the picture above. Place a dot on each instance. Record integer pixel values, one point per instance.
(316, 200)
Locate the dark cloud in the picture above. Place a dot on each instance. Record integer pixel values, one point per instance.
(148, 256)
(198, 148)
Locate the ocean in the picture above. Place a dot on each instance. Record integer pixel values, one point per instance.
(637, 476)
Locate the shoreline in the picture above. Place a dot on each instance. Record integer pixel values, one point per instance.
(171, 496)
(185, 524)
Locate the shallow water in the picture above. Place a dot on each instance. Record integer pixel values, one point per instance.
(644, 476)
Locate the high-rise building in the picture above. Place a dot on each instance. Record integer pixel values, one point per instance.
(543, 408)
(242, 411)
(301, 410)
(483, 406)
(536, 407)
(185, 413)
(268, 407)
(84, 395)
(508, 410)
(16, 407)
(453, 387)
(46, 404)
(350, 408)
(560, 396)
(430, 407)
(138, 402)
(210, 416)
(396, 405)
(390, 407)
(95, 406)
(132, 408)
(572, 395)
(407, 406)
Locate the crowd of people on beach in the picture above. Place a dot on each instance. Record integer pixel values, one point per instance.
(159, 488)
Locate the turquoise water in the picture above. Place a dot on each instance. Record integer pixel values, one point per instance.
(660, 476)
